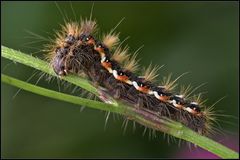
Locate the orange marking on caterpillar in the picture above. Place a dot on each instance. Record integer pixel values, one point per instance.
(164, 98)
(142, 88)
(123, 78)
(91, 41)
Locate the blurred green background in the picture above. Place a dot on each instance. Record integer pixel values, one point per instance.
(196, 37)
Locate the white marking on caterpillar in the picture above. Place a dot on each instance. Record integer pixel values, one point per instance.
(103, 59)
(135, 85)
(115, 74)
(180, 96)
(156, 94)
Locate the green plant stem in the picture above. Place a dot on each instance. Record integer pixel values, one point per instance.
(141, 116)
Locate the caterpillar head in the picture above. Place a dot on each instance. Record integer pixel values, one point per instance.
(58, 62)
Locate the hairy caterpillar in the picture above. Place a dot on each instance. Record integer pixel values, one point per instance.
(76, 50)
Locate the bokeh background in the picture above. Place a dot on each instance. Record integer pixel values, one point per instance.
(196, 37)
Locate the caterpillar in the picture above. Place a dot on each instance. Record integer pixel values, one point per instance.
(107, 64)
(181, 41)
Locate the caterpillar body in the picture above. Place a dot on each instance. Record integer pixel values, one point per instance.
(106, 63)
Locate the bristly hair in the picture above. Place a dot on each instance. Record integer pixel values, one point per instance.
(169, 84)
(88, 26)
(132, 63)
(121, 54)
(199, 99)
(111, 40)
(150, 73)
(72, 28)
(188, 90)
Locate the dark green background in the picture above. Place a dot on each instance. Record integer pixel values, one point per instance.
(199, 37)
